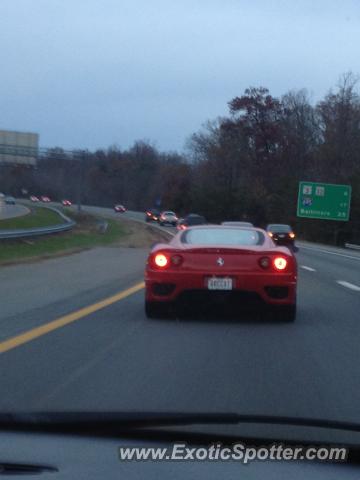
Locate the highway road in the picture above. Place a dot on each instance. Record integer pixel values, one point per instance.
(74, 337)
(11, 211)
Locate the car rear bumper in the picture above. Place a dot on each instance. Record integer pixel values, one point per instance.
(284, 241)
(274, 289)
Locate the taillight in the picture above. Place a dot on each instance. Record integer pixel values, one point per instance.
(164, 260)
(161, 260)
(280, 263)
(270, 234)
(264, 262)
(292, 235)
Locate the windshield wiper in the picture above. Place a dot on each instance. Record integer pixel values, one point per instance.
(139, 420)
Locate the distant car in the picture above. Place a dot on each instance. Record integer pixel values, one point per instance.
(281, 234)
(168, 218)
(34, 198)
(10, 200)
(191, 220)
(238, 224)
(220, 263)
(152, 215)
(119, 208)
(66, 203)
(45, 199)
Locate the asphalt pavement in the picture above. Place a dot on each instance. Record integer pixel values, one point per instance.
(111, 357)
(11, 211)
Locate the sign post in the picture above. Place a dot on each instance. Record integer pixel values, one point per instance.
(324, 201)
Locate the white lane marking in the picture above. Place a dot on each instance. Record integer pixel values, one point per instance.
(329, 252)
(308, 268)
(348, 285)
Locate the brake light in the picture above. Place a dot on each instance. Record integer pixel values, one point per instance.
(280, 263)
(292, 235)
(161, 260)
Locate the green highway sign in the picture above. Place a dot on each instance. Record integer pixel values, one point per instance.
(324, 200)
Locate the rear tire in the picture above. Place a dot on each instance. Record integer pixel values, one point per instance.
(157, 309)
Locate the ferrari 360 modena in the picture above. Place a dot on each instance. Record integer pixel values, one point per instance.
(228, 263)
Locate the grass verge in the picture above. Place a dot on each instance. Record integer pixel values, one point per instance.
(38, 217)
(86, 234)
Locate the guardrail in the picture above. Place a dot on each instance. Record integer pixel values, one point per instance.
(37, 231)
(352, 245)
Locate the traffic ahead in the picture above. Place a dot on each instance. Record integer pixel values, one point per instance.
(86, 336)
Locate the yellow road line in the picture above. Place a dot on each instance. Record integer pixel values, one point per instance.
(66, 319)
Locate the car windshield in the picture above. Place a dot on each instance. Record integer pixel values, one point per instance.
(242, 118)
(279, 228)
(222, 236)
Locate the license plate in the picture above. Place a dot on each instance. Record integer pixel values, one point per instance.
(282, 235)
(220, 284)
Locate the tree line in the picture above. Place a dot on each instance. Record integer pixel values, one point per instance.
(245, 165)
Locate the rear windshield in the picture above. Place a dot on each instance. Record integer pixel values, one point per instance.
(222, 236)
(238, 224)
(279, 228)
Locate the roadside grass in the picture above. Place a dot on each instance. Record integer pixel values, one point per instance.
(86, 234)
(38, 217)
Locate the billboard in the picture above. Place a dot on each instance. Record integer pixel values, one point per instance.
(18, 147)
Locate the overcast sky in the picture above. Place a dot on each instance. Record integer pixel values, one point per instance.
(93, 73)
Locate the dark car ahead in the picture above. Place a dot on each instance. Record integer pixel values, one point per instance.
(191, 220)
(281, 234)
(152, 215)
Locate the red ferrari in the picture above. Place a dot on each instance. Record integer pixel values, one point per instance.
(229, 263)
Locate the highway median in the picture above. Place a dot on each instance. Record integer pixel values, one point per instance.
(38, 217)
(90, 231)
